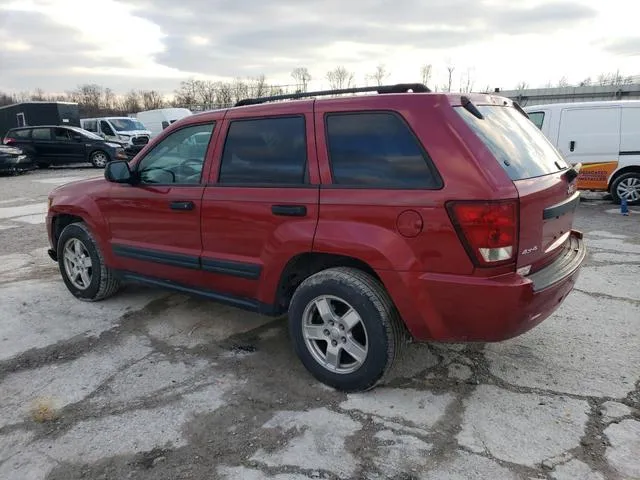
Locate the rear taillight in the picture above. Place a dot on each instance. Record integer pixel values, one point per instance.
(489, 230)
(8, 141)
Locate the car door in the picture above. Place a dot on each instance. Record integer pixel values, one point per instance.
(43, 145)
(107, 132)
(591, 136)
(66, 149)
(260, 208)
(155, 223)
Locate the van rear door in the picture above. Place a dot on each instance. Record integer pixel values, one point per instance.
(545, 183)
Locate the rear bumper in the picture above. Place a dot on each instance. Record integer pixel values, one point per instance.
(461, 308)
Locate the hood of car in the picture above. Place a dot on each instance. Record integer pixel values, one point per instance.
(78, 186)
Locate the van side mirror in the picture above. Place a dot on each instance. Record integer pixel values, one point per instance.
(118, 172)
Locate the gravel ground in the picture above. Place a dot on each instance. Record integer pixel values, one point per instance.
(152, 385)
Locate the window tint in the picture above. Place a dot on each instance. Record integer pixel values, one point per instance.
(106, 128)
(376, 150)
(521, 149)
(537, 118)
(179, 158)
(61, 134)
(269, 150)
(41, 134)
(19, 134)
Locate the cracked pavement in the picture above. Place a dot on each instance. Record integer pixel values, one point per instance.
(155, 385)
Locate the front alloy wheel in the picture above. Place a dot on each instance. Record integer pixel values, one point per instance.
(77, 264)
(99, 159)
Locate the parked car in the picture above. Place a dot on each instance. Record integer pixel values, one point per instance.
(14, 160)
(368, 219)
(59, 145)
(159, 119)
(128, 132)
(603, 136)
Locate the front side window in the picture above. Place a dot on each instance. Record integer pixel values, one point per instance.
(41, 134)
(61, 134)
(537, 118)
(376, 150)
(90, 126)
(179, 158)
(106, 129)
(265, 151)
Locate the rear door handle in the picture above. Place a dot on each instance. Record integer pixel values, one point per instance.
(188, 205)
(289, 210)
(572, 145)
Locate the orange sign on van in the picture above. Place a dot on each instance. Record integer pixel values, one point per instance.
(595, 176)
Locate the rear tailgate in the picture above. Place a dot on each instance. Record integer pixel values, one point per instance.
(545, 184)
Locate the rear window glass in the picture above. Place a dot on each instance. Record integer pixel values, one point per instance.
(41, 134)
(518, 145)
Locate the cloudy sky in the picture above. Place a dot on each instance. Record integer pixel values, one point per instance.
(57, 44)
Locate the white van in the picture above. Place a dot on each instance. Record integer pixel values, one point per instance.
(604, 136)
(159, 119)
(130, 132)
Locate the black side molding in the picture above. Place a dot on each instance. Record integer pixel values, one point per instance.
(560, 209)
(289, 210)
(235, 269)
(629, 152)
(173, 259)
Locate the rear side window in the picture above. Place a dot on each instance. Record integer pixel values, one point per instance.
(265, 151)
(517, 144)
(376, 150)
(19, 134)
(41, 134)
(537, 118)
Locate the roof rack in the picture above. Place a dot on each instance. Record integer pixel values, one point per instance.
(397, 88)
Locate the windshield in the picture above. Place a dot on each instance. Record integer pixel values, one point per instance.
(85, 133)
(126, 124)
(519, 146)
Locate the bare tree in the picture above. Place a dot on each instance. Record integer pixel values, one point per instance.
(224, 94)
(302, 78)
(206, 93)
(132, 102)
(38, 95)
(240, 90)
(425, 73)
(563, 82)
(379, 75)
(604, 79)
(522, 85)
(258, 86)
(151, 99)
(108, 99)
(450, 70)
(585, 83)
(467, 81)
(340, 78)
(187, 94)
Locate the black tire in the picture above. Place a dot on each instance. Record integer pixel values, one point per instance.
(43, 165)
(99, 158)
(367, 296)
(625, 177)
(104, 281)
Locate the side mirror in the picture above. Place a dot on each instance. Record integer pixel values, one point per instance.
(118, 172)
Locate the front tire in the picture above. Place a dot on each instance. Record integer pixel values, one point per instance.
(99, 159)
(345, 328)
(82, 265)
(627, 185)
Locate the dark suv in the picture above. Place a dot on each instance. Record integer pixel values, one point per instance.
(369, 219)
(58, 145)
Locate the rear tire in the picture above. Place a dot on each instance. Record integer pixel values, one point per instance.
(345, 329)
(82, 265)
(626, 184)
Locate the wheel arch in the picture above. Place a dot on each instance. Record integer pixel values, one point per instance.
(620, 172)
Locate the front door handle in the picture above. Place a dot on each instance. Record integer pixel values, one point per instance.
(289, 210)
(572, 145)
(181, 205)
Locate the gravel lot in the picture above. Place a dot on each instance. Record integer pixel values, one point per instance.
(152, 385)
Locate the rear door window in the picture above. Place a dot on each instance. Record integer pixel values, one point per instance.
(41, 134)
(19, 134)
(377, 150)
(517, 144)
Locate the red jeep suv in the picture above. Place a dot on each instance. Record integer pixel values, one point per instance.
(369, 219)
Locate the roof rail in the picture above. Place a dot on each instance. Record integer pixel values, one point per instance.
(397, 88)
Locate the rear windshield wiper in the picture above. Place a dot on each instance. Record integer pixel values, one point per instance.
(471, 108)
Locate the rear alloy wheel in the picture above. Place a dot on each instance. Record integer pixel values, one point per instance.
(627, 186)
(99, 159)
(345, 328)
(82, 265)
